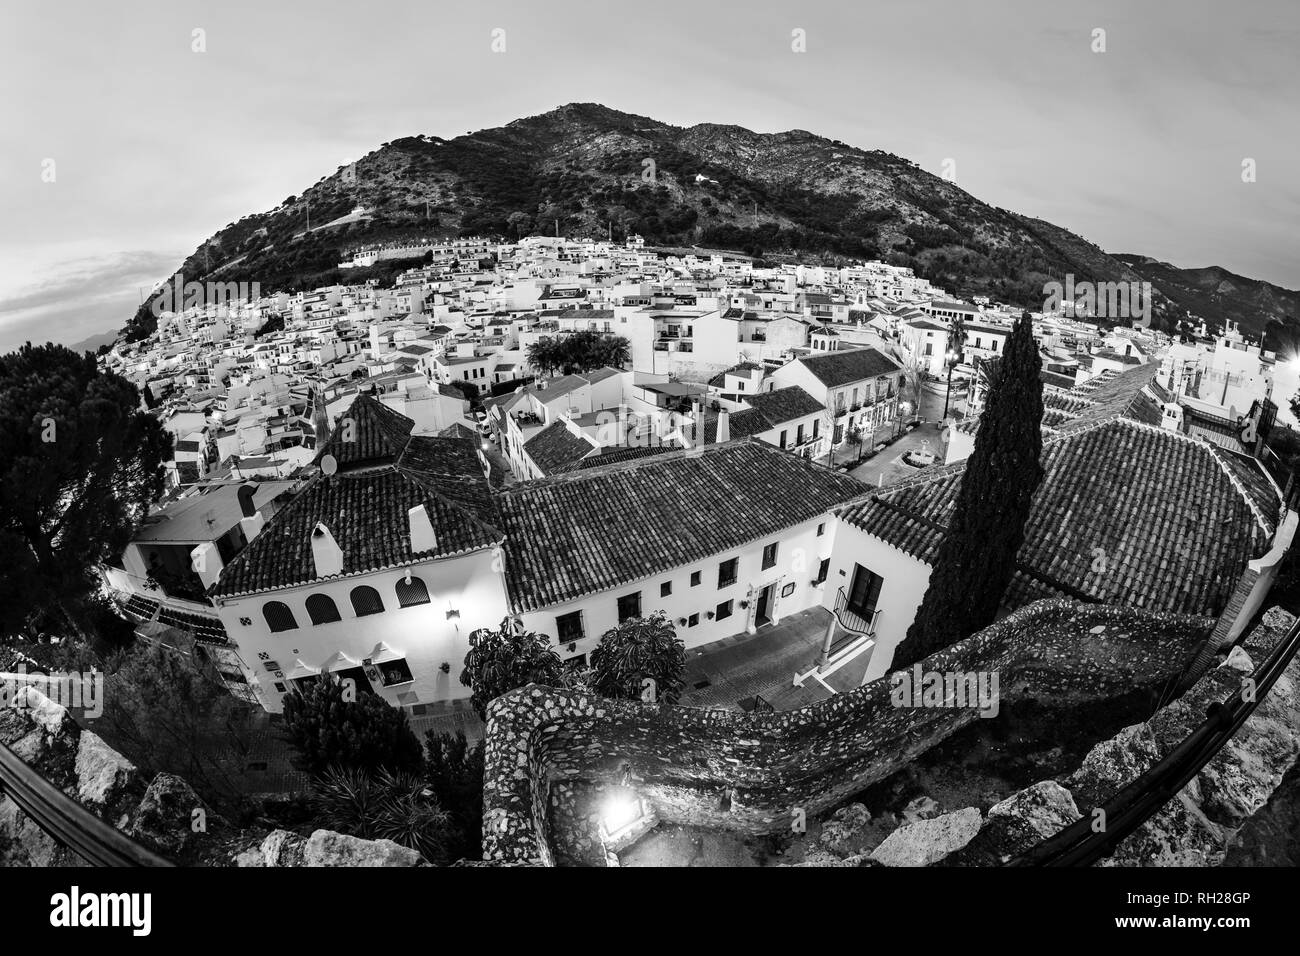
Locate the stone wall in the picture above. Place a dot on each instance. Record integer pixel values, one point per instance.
(550, 752)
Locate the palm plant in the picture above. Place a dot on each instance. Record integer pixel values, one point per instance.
(386, 806)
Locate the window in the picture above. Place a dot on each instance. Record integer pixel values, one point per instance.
(278, 616)
(821, 529)
(395, 672)
(724, 610)
(769, 556)
(666, 589)
(727, 573)
(322, 609)
(783, 434)
(568, 627)
(366, 600)
(629, 606)
(693, 620)
(798, 435)
(823, 569)
(695, 579)
(411, 593)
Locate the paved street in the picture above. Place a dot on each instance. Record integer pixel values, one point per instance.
(764, 663)
(889, 463)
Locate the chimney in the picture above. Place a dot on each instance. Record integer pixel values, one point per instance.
(422, 534)
(246, 493)
(724, 427)
(325, 552)
(206, 562)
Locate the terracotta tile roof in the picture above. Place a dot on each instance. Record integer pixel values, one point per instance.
(368, 433)
(383, 472)
(844, 366)
(784, 404)
(555, 448)
(613, 456)
(1176, 523)
(601, 528)
(366, 512)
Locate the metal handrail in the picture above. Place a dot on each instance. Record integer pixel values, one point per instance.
(67, 821)
(1128, 809)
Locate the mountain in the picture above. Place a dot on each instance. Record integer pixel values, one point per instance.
(591, 170)
(1215, 292)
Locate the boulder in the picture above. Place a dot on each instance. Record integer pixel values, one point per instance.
(105, 779)
(327, 848)
(928, 841)
(166, 819)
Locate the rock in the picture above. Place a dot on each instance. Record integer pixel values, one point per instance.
(1239, 660)
(928, 841)
(843, 831)
(922, 808)
(165, 817)
(327, 848)
(1028, 817)
(279, 848)
(51, 717)
(1111, 765)
(105, 779)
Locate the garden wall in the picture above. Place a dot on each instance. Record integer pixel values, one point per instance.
(553, 754)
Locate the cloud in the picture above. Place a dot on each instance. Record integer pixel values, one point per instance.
(81, 297)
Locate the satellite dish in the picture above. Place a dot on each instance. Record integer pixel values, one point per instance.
(329, 465)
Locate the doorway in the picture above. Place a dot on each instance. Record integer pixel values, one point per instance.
(763, 610)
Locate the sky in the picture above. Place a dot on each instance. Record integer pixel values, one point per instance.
(122, 147)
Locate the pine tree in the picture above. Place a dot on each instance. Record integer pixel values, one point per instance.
(978, 554)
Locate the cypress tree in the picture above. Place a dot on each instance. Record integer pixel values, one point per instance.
(977, 556)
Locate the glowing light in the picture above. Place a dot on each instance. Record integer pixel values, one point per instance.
(621, 810)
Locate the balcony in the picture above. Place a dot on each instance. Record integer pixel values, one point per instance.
(859, 621)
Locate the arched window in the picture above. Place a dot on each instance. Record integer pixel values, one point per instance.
(322, 609)
(366, 600)
(412, 593)
(278, 616)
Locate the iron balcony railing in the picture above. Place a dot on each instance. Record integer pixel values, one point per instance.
(852, 617)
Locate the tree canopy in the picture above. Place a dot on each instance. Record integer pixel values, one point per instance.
(576, 352)
(506, 658)
(80, 463)
(640, 659)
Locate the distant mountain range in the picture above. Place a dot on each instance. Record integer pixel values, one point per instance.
(585, 169)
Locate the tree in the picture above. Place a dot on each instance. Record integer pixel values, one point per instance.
(454, 771)
(79, 465)
(330, 724)
(978, 554)
(501, 660)
(641, 654)
(164, 713)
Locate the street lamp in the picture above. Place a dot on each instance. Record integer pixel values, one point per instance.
(952, 363)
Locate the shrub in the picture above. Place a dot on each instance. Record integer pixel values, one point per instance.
(327, 728)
